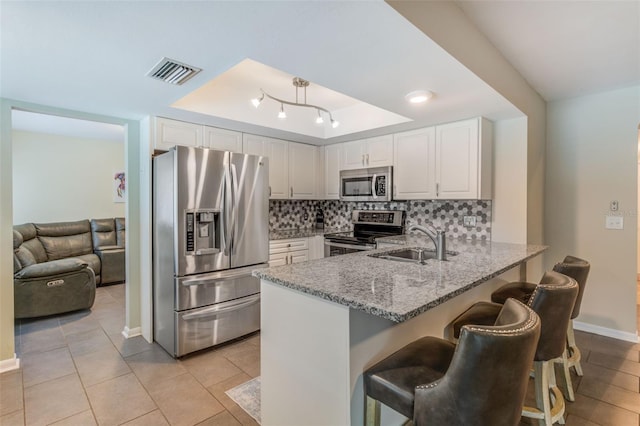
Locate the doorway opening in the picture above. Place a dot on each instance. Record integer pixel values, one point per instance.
(73, 170)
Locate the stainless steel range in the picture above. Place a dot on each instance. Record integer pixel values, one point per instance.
(367, 226)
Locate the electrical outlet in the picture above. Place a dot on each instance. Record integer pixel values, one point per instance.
(613, 206)
(469, 221)
(614, 222)
(305, 216)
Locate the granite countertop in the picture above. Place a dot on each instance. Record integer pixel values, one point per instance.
(284, 234)
(399, 291)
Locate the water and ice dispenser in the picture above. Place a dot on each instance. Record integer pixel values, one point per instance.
(202, 236)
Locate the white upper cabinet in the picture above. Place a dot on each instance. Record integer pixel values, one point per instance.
(451, 162)
(332, 167)
(222, 139)
(277, 151)
(278, 154)
(303, 171)
(169, 133)
(464, 160)
(372, 152)
(379, 151)
(353, 155)
(254, 145)
(414, 169)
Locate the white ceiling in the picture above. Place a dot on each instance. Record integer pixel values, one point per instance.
(93, 56)
(564, 48)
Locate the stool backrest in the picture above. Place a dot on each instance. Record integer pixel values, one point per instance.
(486, 381)
(578, 269)
(553, 301)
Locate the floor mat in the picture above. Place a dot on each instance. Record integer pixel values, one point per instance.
(247, 396)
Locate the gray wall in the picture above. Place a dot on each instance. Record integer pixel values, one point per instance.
(591, 160)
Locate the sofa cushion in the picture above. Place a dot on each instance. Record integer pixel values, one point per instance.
(55, 267)
(65, 239)
(103, 232)
(94, 262)
(120, 231)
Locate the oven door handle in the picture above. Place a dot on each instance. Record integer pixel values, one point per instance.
(349, 246)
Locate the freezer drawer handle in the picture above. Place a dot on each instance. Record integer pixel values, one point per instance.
(226, 276)
(224, 308)
(207, 251)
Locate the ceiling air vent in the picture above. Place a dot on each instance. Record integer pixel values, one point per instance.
(171, 71)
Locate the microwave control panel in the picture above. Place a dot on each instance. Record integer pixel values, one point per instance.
(381, 186)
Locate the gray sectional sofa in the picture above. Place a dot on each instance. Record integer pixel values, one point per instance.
(58, 265)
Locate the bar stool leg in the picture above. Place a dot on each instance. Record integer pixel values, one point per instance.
(574, 352)
(549, 400)
(566, 376)
(372, 415)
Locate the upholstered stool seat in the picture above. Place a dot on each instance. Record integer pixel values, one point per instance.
(394, 379)
(481, 381)
(519, 290)
(553, 300)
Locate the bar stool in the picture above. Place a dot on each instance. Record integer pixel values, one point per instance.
(481, 381)
(578, 269)
(553, 300)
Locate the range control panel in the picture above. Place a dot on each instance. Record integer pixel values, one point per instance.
(378, 217)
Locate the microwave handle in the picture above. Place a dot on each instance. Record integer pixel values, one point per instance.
(373, 186)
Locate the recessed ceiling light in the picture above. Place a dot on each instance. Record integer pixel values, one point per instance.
(419, 96)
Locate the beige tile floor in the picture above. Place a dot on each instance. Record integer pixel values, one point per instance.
(77, 369)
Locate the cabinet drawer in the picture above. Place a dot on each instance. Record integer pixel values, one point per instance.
(285, 246)
(288, 258)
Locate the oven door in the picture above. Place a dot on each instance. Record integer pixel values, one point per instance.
(335, 249)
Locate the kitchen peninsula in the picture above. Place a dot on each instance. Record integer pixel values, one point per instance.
(326, 321)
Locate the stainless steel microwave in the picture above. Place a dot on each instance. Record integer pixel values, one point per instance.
(372, 184)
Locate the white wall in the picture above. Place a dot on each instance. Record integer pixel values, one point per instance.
(59, 178)
(509, 218)
(592, 148)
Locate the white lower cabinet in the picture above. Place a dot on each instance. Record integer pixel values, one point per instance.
(287, 252)
(295, 250)
(316, 247)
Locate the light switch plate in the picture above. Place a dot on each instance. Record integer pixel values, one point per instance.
(614, 222)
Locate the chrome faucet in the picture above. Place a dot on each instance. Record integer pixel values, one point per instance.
(438, 238)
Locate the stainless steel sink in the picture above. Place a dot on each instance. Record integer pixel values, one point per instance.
(413, 255)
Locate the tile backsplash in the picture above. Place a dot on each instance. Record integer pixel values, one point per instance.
(447, 214)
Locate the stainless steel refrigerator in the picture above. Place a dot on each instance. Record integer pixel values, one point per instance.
(210, 230)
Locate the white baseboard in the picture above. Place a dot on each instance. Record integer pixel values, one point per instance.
(9, 364)
(607, 332)
(131, 332)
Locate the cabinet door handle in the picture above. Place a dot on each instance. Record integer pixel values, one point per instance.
(269, 190)
(367, 159)
(363, 159)
(291, 191)
(437, 189)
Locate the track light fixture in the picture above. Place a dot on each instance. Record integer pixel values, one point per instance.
(298, 83)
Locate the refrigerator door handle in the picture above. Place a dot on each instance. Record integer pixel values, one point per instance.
(225, 227)
(234, 201)
(223, 308)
